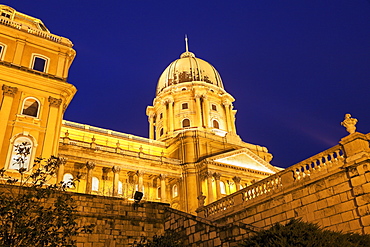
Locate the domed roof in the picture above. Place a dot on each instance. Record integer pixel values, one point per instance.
(188, 68)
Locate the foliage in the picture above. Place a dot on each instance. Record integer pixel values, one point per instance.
(33, 212)
(169, 239)
(301, 234)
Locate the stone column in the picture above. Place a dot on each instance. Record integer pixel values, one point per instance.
(151, 127)
(60, 173)
(228, 115)
(170, 115)
(5, 107)
(163, 187)
(233, 118)
(217, 177)
(51, 127)
(140, 175)
(115, 170)
(205, 112)
(198, 111)
(237, 182)
(208, 176)
(90, 167)
(164, 120)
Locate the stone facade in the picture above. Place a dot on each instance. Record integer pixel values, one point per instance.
(193, 146)
(193, 159)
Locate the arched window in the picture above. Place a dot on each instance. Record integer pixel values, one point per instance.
(185, 123)
(161, 132)
(216, 125)
(120, 188)
(31, 107)
(39, 63)
(67, 180)
(21, 155)
(222, 188)
(174, 191)
(95, 184)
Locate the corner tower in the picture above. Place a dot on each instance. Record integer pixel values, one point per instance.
(190, 96)
(34, 94)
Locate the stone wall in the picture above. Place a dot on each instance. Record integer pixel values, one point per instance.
(118, 222)
(331, 188)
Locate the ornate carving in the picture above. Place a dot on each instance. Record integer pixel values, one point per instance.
(116, 169)
(90, 165)
(349, 123)
(62, 161)
(226, 103)
(107, 169)
(9, 91)
(206, 175)
(140, 173)
(217, 175)
(54, 101)
(201, 199)
(237, 179)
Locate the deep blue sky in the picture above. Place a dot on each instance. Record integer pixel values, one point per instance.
(294, 67)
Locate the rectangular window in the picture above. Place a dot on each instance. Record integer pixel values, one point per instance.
(6, 15)
(214, 107)
(184, 106)
(1, 51)
(39, 64)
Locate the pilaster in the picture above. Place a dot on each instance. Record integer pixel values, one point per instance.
(5, 108)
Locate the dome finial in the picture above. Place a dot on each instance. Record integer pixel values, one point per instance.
(186, 43)
(187, 53)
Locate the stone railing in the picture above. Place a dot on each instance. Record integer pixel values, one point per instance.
(316, 165)
(143, 153)
(36, 32)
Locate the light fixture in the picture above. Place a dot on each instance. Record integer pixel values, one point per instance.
(138, 196)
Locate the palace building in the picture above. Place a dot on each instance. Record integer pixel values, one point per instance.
(193, 154)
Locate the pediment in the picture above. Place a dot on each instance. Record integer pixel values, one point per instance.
(244, 158)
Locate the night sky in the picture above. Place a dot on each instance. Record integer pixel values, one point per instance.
(294, 67)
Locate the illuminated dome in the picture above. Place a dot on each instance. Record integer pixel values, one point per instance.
(188, 68)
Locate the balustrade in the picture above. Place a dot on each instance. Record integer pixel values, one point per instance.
(304, 169)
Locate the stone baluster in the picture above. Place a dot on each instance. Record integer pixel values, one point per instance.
(90, 167)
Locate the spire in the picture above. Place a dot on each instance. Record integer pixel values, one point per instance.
(186, 43)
